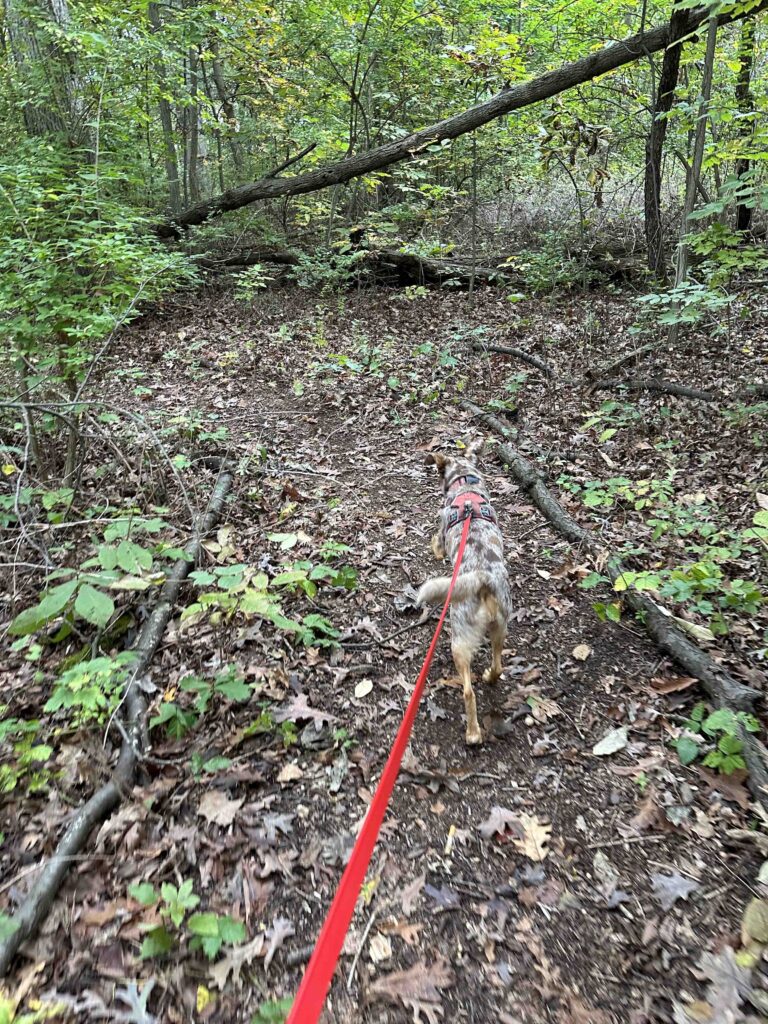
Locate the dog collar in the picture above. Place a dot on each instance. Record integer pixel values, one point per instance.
(461, 480)
(472, 505)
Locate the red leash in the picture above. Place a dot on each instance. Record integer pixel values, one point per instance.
(310, 998)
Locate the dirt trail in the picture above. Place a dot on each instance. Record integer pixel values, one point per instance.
(564, 919)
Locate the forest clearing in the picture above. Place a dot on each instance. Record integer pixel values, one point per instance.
(250, 306)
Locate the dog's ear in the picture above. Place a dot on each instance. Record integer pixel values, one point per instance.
(438, 460)
(474, 449)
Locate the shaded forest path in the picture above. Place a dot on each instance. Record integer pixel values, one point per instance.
(629, 866)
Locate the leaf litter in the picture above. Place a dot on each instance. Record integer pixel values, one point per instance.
(495, 908)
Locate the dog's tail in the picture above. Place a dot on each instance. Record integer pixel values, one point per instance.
(469, 584)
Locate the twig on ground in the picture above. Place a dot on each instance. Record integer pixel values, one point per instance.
(40, 898)
(385, 640)
(518, 353)
(353, 968)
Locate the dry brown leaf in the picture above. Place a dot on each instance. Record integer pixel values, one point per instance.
(498, 821)
(581, 652)
(379, 948)
(234, 960)
(672, 683)
(419, 984)
(290, 773)
(408, 932)
(535, 837)
(216, 806)
(411, 894)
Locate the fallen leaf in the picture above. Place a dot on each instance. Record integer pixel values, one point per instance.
(445, 897)
(290, 773)
(606, 874)
(668, 889)
(611, 743)
(535, 837)
(419, 984)
(693, 629)
(499, 819)
(672, 684)
(380, 948)
(216, 807)
(299, 710)
(762, 500)
(581, 652)
(411, 894)
(281, 930)
(754, 924)
(407, 931)
(363, 688)
(234, 960)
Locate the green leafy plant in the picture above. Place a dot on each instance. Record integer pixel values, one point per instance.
(206, 931)
(19, 738)
(89, 689)
(715, 736)
(229, 684)
(275, 1011)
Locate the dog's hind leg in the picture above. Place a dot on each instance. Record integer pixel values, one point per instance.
(498, 631)
(462, 659)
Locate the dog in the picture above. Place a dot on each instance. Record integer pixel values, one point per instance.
(480, 602)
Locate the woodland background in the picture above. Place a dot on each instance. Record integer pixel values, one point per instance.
(250, 251)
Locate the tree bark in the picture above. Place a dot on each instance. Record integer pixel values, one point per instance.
(745, 104)
(228, 109)
(683, 252)
(166, 121)
(513, 98)
(654, 149)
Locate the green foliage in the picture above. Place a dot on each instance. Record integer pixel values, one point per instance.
(228, 684)
(273, 1012)
(75, 258)
(19, 739)
(250, 281)
(327, 270)
(89, 689)
(715, 736)
(206, 930)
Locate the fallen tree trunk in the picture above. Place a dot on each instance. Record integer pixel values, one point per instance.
(518, 353)
(39, 900)
(406, 267)
(515, 97)
(668, 387)
(722, 689)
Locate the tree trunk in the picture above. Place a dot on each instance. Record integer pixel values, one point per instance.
(33, 49)
(513, 98)
(654, 149)
(193, 132)
(745, 104)
(681, 273)
(228, 109)
(166, 121)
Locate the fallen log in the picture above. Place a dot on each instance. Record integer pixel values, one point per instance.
(514, 97)
(667, 387)
(39, 899)
(518, 353)
(406, 268)
(723, 690)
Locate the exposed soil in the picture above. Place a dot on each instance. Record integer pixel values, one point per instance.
(331, 407)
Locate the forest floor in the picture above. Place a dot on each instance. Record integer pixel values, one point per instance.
(530, 880)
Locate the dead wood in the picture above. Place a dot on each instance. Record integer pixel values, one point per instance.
(518, 353)
(514, 97)
(667, 387)
(599, 373)
(39, 899)
(722, 689)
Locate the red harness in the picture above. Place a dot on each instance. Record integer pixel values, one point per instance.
(470, 505)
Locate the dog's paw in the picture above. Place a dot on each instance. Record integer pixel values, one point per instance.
(489, 676)
(474, 737)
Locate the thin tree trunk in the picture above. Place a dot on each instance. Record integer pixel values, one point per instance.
(229, 110)
(166, 122)
(681, 272)
(193, 131)
(745, 104)
(654, 149)
(512, 98)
